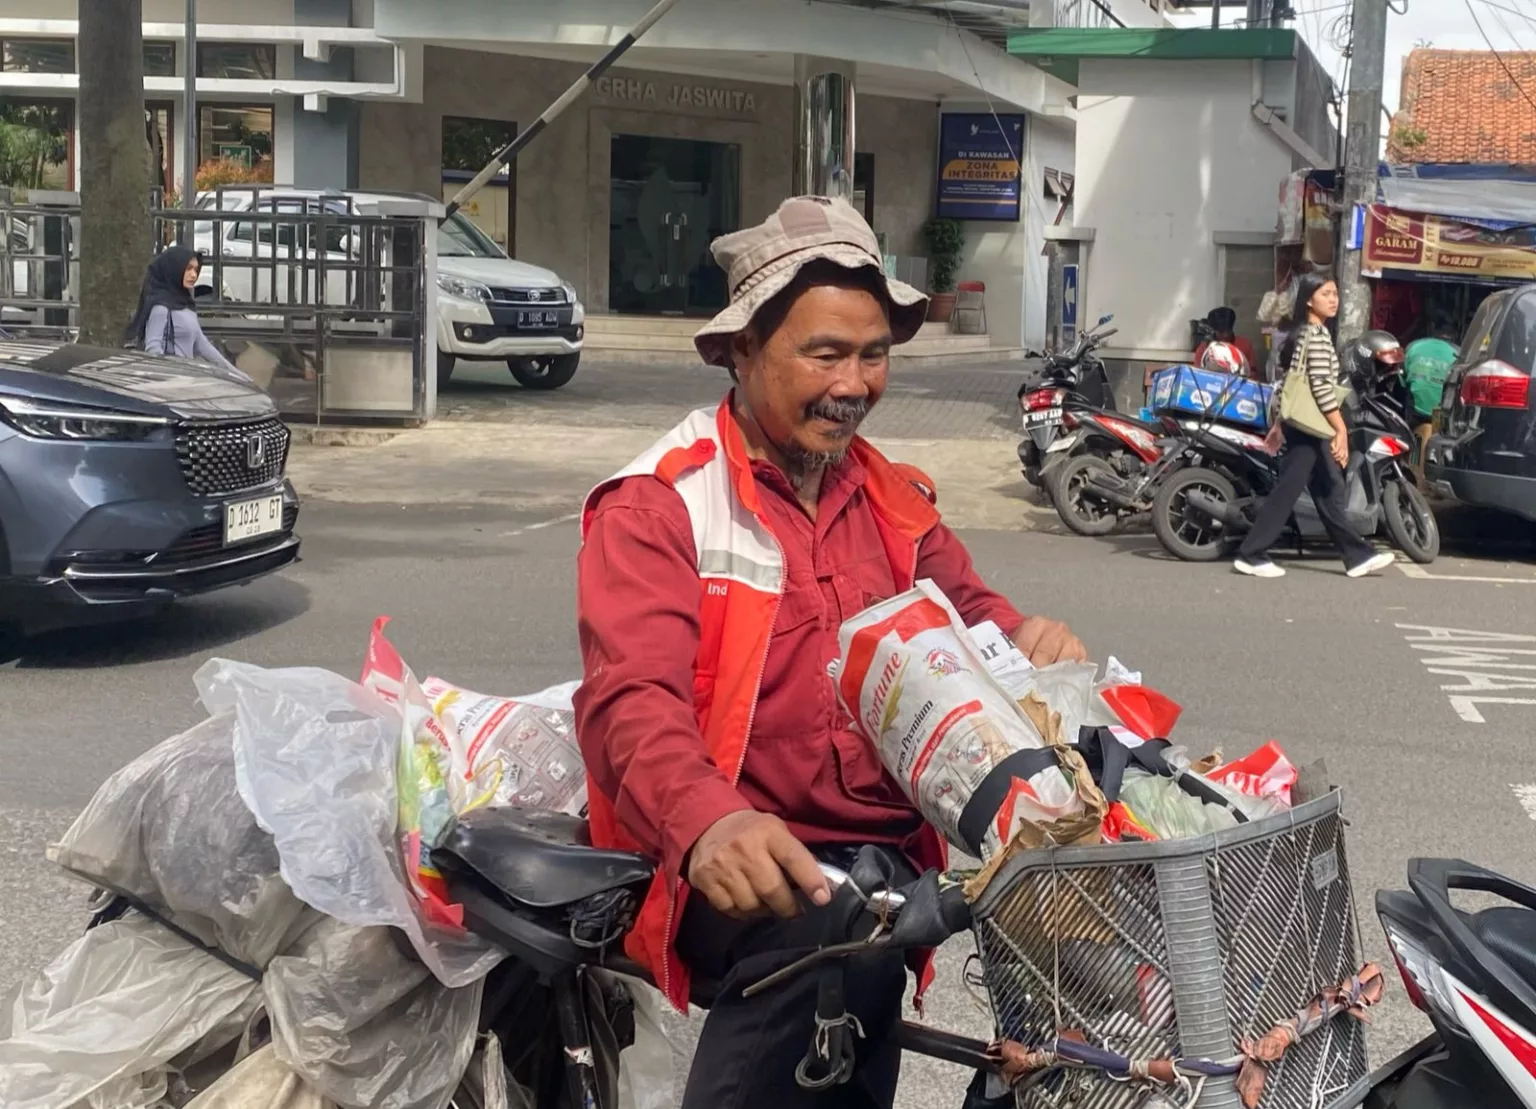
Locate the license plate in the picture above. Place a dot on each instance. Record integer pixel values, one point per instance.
(1042, 416)
(252, 519)
(538, 319)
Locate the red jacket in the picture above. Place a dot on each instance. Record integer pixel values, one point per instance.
(664, 630)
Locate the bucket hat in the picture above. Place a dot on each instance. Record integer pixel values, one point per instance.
(761, 261)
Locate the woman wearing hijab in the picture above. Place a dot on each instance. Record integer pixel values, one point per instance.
(166, 320)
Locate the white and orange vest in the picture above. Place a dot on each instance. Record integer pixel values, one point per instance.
(741, 581)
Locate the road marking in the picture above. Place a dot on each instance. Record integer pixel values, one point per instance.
(541, 525)
(1418, 573)
(1464, 653)
(1526, 795)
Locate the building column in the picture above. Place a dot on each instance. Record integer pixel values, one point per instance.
(325, 133)
(824, 126)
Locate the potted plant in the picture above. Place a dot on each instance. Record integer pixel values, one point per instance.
(946, 239)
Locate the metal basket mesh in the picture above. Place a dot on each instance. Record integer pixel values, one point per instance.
(1178, 948)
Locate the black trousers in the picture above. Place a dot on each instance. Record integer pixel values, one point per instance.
(749, 1049)
(1306, 465)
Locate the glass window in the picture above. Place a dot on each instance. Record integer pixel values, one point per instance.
(468, 144)
(1517, 338)
(864, 186)
(27, 55)
(37, 144)
(459, 238)
(162, 150)
(159, 59)
(234, 143)
(1479, 338)
(249, 61)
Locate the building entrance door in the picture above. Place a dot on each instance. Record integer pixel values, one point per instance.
(670, 198)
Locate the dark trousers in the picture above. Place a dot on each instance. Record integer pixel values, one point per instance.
(749, 1049)
(1306, 465)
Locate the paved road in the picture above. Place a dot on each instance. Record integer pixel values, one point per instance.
(1432, 749)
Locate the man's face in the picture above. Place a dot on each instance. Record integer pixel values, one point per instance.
(810, 385)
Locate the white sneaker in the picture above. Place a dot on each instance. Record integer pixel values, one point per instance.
(1261, 568)
(1372, 565)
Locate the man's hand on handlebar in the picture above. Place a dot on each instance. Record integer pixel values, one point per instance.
(745, 862)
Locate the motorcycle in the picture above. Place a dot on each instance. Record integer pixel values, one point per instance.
(1473, 974)
(1201, 513)
(1070, 381)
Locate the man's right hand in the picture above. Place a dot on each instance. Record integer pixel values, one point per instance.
(746, 861)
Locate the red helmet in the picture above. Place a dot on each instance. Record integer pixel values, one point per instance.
(1223, 358)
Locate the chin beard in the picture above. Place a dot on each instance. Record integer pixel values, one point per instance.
(803, 463)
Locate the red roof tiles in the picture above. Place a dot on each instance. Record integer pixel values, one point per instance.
(1462, 106)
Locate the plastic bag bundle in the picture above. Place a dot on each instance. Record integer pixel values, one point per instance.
(260, 1081)
(916, 686)
(317, 765)
(1168, 810)
(100, 1025)
(364, 1025)
(171, 830)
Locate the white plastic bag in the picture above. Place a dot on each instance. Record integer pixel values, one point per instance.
(316, 757)
(646, 1067)
(917, 687)
(260, 1081)
(99, 1025)
(364, 1025)
(170, 829)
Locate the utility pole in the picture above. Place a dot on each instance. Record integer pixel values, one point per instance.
(1362, 155)
(114, 167)
(189, 112)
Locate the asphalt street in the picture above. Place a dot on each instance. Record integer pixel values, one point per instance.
(1431, 746)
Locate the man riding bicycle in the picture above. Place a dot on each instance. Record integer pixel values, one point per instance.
(714, 574)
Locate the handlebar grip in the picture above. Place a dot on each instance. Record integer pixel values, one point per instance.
(1106, 334)
(888, 900)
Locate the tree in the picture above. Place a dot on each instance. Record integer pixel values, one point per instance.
(114, 166)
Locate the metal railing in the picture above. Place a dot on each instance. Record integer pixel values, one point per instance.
(323, 298)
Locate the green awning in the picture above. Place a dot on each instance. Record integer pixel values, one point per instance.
(1058, 50)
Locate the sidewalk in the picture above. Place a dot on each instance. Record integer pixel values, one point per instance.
(541, 452)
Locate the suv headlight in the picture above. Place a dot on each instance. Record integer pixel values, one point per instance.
(570, 292)
(464, 290)
(47, 420)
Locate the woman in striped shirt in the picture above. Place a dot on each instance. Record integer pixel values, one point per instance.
(1310, 463)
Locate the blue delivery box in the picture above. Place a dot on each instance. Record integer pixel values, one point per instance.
(1188, 391)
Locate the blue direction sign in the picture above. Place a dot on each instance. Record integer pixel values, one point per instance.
(1069, 302)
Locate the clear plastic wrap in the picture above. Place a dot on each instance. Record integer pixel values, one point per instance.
(260, 1081)
(316, 757)
(99, 1025)
(1171, 813)
(365, 1025)
(171, 830)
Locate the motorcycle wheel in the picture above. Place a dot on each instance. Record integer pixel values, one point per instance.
(1184, 533)
(1410, 522)
(1079, 508)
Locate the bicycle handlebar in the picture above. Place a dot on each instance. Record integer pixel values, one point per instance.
(888, 901)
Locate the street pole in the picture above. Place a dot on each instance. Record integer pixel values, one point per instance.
(510, 152)
(1362, 156)
(189, 124)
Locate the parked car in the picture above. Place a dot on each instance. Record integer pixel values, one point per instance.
(490, 308)
(1483, 451)
(128, 481)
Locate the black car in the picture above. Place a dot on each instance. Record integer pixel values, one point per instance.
(1484, 449)
(129, 480)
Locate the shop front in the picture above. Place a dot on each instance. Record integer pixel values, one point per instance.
(706, 126)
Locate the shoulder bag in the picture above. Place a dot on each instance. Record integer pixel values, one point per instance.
(1298, 407)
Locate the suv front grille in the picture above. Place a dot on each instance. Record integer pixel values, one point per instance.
(527, 296)
(227, 458)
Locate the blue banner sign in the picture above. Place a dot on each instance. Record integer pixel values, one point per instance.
(979, 160)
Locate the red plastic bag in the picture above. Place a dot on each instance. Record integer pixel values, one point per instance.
(1264, 773)
(1145, 711)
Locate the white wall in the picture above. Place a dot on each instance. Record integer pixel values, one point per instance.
(1168, 156)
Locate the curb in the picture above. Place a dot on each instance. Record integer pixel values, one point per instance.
(308, 435)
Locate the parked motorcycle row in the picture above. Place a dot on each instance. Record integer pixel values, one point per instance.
(1199, 467)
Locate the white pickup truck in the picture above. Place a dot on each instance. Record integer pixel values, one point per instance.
(490, 308)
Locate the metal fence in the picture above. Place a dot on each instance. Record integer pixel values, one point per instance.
(323, 298)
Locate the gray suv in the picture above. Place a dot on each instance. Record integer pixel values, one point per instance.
(128, 480)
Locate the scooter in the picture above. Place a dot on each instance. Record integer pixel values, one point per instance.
(1473, 974)
(1071, 381)
(1201, 513)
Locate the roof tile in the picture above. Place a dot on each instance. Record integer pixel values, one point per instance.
(1464, 107)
